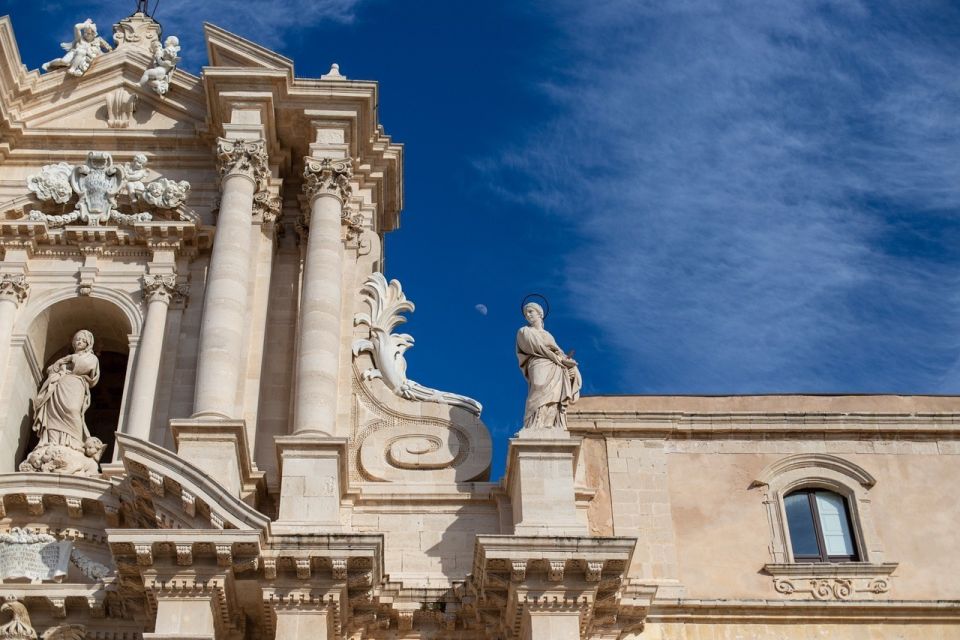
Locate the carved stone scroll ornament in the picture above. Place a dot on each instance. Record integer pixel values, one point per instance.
(96, 185)
(244, 157)
(37, 556)
(387, 305)
(14, 287)
(327, 176)
(163, 287)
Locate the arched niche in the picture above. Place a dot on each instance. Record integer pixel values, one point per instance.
(45, 336)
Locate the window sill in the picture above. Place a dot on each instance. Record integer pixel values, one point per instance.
(831, 581)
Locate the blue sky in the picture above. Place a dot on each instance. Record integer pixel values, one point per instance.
(716, 197)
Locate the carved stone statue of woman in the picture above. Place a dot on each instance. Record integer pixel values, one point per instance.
(553, 380)
(59, 413)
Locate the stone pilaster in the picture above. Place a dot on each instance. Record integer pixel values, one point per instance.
(158, 291)
(243, 171)
(14, 290)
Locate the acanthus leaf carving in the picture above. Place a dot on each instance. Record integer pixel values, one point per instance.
(328, 176)
(244, 157)
(19, 626)
(387, 304)
(14, 287)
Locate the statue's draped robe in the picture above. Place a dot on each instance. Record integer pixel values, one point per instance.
(63, 400)
(551, 387)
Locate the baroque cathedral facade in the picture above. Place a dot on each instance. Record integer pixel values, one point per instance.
(209, 432)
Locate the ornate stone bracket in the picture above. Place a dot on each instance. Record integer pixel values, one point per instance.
(583, 576)
(839, 581)
(387, 305)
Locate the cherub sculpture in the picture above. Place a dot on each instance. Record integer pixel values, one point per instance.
(135, 173)
(165, 59)
(86, 46)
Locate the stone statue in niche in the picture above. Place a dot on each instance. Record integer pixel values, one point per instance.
(86, 46)
(553, 379)
(165, 59)
(96, 185)
(59, 410)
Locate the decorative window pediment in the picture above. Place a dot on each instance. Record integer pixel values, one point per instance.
(864, 575)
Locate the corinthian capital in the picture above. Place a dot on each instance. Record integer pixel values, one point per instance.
(14, 287)
(161, 287)
(243, 157)
(327, 176)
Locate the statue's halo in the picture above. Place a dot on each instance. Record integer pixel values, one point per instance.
(539, 299)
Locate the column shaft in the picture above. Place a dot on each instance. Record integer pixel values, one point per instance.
(318, 359)
(13, 292)
(220, 360)
(149, 352)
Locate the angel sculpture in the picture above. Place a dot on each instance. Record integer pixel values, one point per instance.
(86, 46)
(165, 59)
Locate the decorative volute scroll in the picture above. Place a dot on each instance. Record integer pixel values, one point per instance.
(163, 287)
(244, 157)
(387, 305)
(97, 184)
(138, 30)
(328, 176)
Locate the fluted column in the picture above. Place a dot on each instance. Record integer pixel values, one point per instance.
(13, 292)
(158, 291)
(326, 184)
(243, 170)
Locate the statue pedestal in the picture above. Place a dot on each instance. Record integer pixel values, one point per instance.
(218, 447)
(540, 481)
(313, 476)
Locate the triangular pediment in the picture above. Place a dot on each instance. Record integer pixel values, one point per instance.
(58, 101)
(226, 49)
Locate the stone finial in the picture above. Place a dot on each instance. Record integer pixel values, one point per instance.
(328, 176)
(244, 158)
(14, 287)
(334, 73)
(139, 30)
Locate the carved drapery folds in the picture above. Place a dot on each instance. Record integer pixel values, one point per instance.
(387, 304)
(246, 158)
(14, 287)
(97, 184)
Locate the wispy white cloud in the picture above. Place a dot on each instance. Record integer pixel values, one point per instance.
(766, 192)
(271, 23)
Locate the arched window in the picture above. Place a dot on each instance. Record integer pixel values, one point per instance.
(820, 526)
